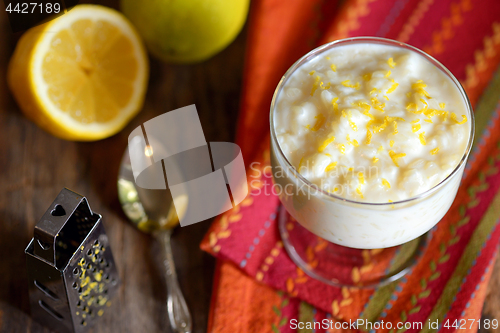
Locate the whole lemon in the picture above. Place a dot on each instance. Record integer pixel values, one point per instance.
(186, 31)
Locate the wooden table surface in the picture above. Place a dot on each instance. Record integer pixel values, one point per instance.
(35, 166)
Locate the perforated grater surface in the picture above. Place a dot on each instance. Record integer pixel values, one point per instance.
(71, 271)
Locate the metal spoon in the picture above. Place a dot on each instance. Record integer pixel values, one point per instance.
(153, 212)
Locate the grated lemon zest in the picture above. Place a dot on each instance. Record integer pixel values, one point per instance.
(391, 63)
(368, 137)
(380, 149)
(415, 127)
(421, 137)
(348, 85)
(319, 122)
(342, 148)
(428, 121)
(327, 58)
(391, 143)
(435, 151)
(335, 105)
(442, 105)
(361, 178)
(364, 106)
(395, 156)
(333, 67)
(330, 166)
(324, 87)
(412, 107)
(386, 183)
(415, 121)
(395, 127)
(315, 85)
(392, 88)
(388, 74)
(375, 159)
(358, 190)
(326, 143)
(312, 72)
(387, 98)
(373, 91)
(454, 118)
(350, 169)
(352, 123)
(355, 143)
(367, 76)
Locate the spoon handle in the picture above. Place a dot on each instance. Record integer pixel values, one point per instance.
(178, 312)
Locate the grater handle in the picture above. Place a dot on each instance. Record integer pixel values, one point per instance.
(178, 312)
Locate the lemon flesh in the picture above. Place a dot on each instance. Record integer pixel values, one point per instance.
(82, 76)
(186, 31)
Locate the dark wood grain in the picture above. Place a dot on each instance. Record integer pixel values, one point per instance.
(35, 166)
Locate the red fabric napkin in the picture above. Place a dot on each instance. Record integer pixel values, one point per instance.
(448, 283)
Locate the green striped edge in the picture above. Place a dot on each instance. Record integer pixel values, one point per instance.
(486, 106)
(306, 315)
(478, 238)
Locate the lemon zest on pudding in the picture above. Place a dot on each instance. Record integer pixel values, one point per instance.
(335, 105)
(312, 72)
(341, 148)
(368, 137)
(380, 149)
(319, 122)
(415, 127)
(442, 105)
(327, 58)
(367, 77)
(396, 156)
(391, 63)
(386, 183)
(375, 159)
(373, 91)
(358, 190)
(419, 88)
(395, 124)
(315, 85)
(428, 120)
(348, 85)
(391, 143)
(453, 117)
(435, 151)
(361, 178)
(388, 74)
(363, 105)
(326, 143)
(333, 67)
(377, 105)
(387, 98)
(415, 121)
(421, 137)
(393, 87)
(324, 87)
(352, 123)
(330, 166)
(412, 107)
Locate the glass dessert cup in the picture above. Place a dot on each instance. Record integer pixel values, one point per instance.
(343, 242)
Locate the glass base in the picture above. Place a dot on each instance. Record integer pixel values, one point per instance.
(342, 266)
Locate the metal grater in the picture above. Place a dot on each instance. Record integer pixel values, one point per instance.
(71, 271)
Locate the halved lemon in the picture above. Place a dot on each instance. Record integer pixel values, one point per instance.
(82, 76)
